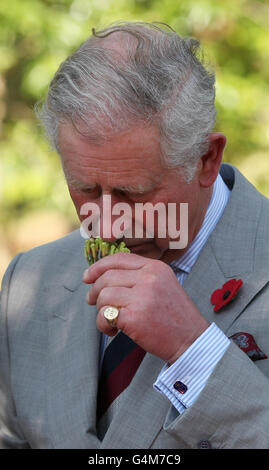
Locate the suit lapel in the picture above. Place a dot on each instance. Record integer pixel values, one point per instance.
(73, 362)
(230, 253)
(200, 288)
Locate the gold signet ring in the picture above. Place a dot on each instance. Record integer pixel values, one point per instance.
(111, 315)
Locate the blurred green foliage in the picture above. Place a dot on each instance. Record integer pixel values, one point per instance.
(37, 35)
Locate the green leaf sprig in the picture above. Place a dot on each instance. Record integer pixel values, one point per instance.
(97, 248)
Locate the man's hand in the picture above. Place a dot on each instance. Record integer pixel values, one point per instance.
(155, 311)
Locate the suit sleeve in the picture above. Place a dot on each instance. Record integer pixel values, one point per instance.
(11, 436)
(232, 411)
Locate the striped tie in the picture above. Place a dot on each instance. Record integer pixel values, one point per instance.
(121, 360)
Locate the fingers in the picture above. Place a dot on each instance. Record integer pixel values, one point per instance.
(111, 278)
(116, 261)
(114, 296)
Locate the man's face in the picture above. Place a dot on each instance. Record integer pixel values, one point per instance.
(128, 168)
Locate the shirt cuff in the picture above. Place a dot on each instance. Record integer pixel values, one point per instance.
(184, 380)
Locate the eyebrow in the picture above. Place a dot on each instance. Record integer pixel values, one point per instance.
(138, 189)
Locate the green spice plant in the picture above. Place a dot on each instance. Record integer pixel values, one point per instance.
(97, 248)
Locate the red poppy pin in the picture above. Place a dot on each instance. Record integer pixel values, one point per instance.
(223, 296)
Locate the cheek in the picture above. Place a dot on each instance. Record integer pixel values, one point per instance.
(78, 200)
(169, 221)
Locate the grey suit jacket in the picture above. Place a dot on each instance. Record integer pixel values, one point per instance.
(50, 347)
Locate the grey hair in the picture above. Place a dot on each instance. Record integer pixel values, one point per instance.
(154, 77)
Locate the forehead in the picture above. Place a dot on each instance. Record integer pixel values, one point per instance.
(127, 155)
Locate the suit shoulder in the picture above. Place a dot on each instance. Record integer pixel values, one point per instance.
(54, 257)
(64, 246)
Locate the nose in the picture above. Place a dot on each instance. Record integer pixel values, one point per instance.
(115, 217)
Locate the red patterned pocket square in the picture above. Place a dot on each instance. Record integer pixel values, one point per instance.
(247, 343)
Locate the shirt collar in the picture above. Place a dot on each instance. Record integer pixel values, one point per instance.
(218, 202)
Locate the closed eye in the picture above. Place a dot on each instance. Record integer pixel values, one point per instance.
(132, 194)
(88, 190)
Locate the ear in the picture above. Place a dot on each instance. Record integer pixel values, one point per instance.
(210, 162)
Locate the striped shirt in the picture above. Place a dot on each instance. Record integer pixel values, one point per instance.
(195, 365)
(219, 199)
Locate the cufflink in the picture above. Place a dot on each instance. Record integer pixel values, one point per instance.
(180, 387)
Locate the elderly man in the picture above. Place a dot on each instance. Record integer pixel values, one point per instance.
(131, 113)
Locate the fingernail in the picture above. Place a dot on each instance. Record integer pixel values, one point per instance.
(85, 275)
